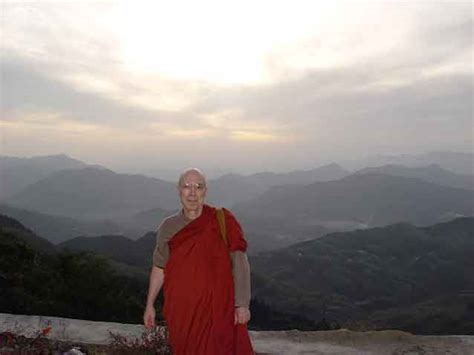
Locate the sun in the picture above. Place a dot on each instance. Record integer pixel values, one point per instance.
(190, 41)
(223, 42)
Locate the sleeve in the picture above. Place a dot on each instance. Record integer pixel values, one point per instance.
(241, 273)
(235, 235)
(161, 252)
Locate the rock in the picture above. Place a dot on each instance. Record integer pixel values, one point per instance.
(74, 351)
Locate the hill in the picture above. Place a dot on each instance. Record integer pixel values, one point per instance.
(369, 199)
(57, 229)
(457, 162)
(431, 173)
(93, 193)
(34, 280)
(18, 173)
(86, 285)
(398, 277)
(116, 247)
(230, 189)
(394, 277)
(9, 225)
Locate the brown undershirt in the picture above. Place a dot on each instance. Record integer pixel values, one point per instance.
(240, 264)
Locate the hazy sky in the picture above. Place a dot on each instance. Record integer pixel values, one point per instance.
(243, 85)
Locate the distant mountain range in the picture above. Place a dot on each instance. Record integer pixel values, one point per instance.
(431, 173)
(58, 229)
(368, 200)
(18, 173)
(61, 198)
(234, 188)
(93, 193)
(457, 162)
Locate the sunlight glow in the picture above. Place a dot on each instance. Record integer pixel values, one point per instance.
(254, 136)
(212, 41)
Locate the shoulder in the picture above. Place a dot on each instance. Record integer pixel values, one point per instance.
(230, 217)
(228, 213)
(169, 221)
(235, 232)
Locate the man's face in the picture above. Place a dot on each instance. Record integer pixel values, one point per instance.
(192, 191)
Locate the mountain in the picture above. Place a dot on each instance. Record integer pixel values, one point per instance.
(57, 229)
(9, 226)
(268, 233)
(359, 279)
(93, 193)
(116, 247)
(142, 222)
(399, 276)
(230, 189)
(457, 162)
(18, 173)
(83, 285)
(365, 200)
(303, 177)
(431, 173)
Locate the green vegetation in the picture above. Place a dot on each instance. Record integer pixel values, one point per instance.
(89, 286)
(399, 276)
(81, 285)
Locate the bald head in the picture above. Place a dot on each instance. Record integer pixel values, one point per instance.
(191, 172)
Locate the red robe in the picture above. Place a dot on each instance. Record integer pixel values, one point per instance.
(199, 289)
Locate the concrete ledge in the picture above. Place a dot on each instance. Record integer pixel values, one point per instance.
(343, 342)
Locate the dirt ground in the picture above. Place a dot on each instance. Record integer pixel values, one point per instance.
(345, 342)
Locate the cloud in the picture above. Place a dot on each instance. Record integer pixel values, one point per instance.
(364, 78)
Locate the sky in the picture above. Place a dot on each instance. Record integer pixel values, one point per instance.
(240, 86)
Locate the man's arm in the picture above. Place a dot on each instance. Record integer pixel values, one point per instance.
(154, 287)
(241, 274)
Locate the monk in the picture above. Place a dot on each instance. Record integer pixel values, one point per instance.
(206, 282)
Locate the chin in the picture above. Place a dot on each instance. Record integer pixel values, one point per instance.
(193, 206)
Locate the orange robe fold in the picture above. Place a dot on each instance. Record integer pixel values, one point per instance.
(199, 289)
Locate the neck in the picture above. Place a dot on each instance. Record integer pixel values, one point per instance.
(192, 214)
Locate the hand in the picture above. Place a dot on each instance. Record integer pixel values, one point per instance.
(149, 317)
(242, 315)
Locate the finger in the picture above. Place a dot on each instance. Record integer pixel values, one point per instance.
(236, 318)
(150, 323)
